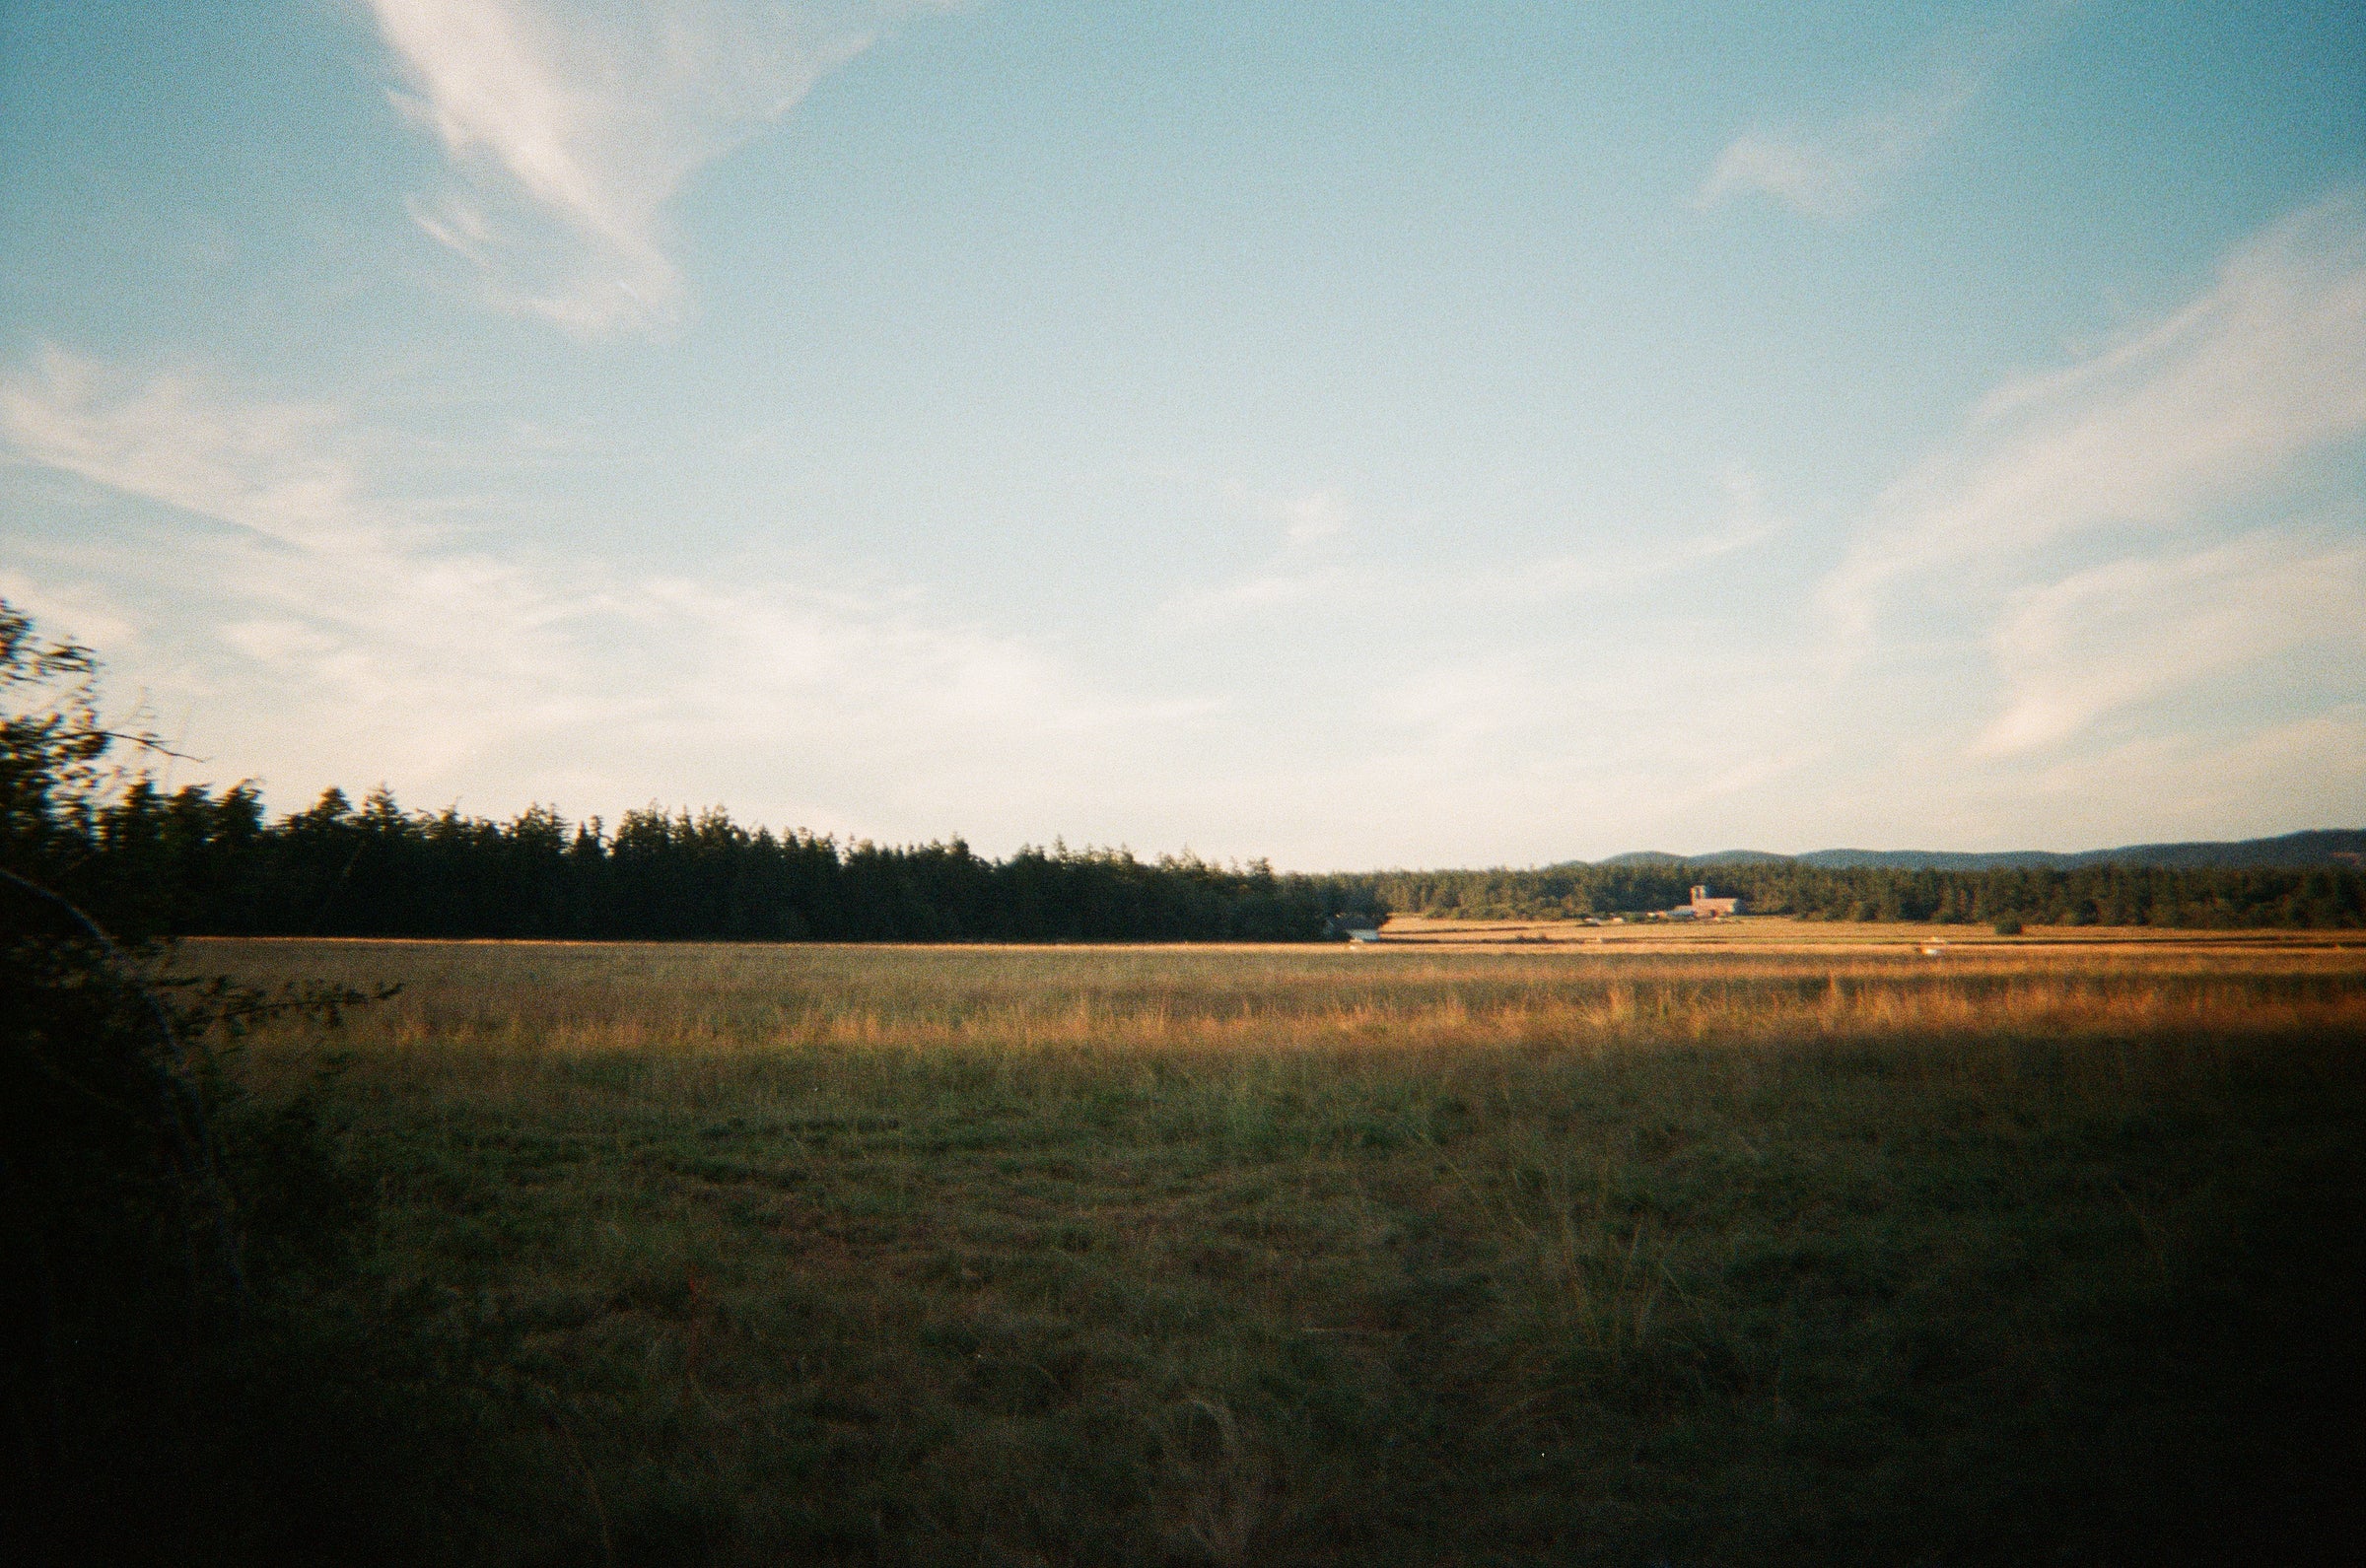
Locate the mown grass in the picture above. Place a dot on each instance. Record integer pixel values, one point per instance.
(993, 1255)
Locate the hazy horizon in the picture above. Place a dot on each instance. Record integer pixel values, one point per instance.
(1350, 435)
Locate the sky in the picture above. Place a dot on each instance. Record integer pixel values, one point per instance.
(1358, 435)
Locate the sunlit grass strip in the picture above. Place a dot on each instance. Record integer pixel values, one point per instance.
(503, 999)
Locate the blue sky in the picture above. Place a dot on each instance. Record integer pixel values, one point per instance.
(1358, 435)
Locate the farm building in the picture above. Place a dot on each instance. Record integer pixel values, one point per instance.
(1705, 908)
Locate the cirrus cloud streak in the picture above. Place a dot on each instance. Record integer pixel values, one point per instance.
(2150, 518)
(572, 127)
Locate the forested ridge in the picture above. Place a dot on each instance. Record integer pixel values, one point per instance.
(2086, 895)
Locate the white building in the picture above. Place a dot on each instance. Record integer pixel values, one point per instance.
(1705, 908)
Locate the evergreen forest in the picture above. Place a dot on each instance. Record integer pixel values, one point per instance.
(2104, 894)
(201, 863)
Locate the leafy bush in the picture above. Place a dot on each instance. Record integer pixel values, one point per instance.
(177, 1382)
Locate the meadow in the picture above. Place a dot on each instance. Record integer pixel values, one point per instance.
(1685, 1249)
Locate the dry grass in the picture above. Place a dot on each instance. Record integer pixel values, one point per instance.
(1783, 934)
(468, 997)
(1068, 1255)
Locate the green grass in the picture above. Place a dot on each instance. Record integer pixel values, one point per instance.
(988, 1256)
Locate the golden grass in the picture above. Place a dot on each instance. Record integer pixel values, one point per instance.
(1778, 934)
(1763, 1254)
(461, 1000)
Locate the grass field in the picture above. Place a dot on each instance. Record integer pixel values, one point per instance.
(1695, 1252)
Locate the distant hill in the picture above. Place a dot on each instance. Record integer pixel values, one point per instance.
(2293, 851)
(1721, 858)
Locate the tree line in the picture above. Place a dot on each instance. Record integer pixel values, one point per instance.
(202, 861)
(197, 861)
(2106, 894)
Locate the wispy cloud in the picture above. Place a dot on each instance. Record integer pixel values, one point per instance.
(1461, 703)
(2229, 780)
(77, 611)
(1840, 169)
(2210, 405)
(323, 625)
(170, 438)
(2116, 636)
(2140, 523)
(1315, 566)
(1629, 566)
(572, 127)
(1308, 565)
(1314, 516)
